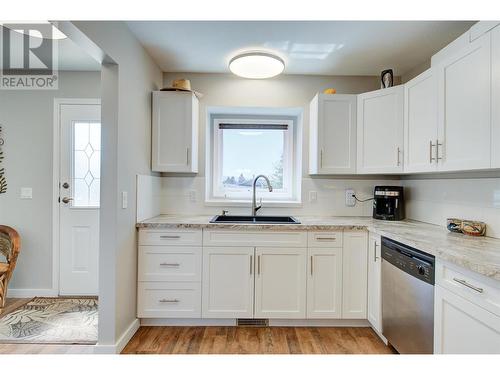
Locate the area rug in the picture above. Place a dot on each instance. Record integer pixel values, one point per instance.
(51, 321)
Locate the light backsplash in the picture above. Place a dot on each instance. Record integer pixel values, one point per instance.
(435, 200)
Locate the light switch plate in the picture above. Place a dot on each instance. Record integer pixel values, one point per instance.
(26, 193)
(349, 199)
(313, 196)
(124, 199)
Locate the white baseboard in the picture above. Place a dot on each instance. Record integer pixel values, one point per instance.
(122, 341)
(382, 337)
(30, 293)
(272, 322)
(187, 322)
(318, 323)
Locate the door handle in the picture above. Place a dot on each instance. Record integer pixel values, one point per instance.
(251, 264)
(258, 265)
(375, 257)
(399, 152)
(437, 150)
(66, 200)
(312, 261)
(431, 145)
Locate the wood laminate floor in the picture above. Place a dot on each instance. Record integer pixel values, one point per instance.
(256, 340)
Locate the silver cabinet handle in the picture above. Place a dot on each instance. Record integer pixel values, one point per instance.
(437, 150)
(251, 264)
(170, 237)
(170, 264)
(258, 265)
(431, 145)
(398, 153)
(163, 300)
(187, 156)
(312, 265)
(465, 283)
(375, 257)
(321, 158)
(326, 238)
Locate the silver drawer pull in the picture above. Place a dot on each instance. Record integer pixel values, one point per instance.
(326, 238)
(170, 264)
(465, 283)
(163, 300)
(170, 237)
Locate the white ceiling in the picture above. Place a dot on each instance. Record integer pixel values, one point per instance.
(308, 47)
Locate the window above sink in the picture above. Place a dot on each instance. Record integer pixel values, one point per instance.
(244, 145)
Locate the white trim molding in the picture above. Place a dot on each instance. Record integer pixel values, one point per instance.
(30, 293)
(121, 342)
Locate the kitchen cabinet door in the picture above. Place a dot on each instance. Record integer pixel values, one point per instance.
(175, 132)
(355, 275)
(462, 327)
(421, 123)
(495, 98)
(374, 282)
(380, 131)
(280, 283)
(332, 134)
(324, 283)
(228, 282)
(464, 108)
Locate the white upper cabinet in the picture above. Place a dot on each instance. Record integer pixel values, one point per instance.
(495, 98)
(332, 135)
(175, 132)
(421, 123)
(380, 131)
(464, 102)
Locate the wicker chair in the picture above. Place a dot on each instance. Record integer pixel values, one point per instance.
(9, 250)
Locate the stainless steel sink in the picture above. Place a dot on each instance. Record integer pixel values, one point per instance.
(254, 219)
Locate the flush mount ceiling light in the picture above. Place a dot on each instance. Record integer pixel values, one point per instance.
(56, 34)
(256, 65)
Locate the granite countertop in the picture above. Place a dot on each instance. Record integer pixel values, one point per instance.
(479, 254)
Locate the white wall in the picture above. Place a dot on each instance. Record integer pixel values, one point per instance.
(27, 120)
(434, 200)
(283, 91)
(126, 106)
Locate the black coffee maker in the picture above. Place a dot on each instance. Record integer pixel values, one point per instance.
(388, 203)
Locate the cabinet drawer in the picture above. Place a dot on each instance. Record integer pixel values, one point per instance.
(476, 288)
(169, 300)
(168, 238)
(169, 263)
(324, 239)
(254, 238)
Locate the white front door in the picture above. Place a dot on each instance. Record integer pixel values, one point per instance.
(79, 192)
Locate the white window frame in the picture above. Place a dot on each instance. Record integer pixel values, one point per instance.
(292, 170)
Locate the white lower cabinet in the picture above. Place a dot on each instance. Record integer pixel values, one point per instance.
(462, 327)
(466, 312)
(354, 275)
(280, 283)
(374, 282)
(228, 282)
(324, 283)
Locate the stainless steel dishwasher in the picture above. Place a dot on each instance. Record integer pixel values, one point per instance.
(407, 298)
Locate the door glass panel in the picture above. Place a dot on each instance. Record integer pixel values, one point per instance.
(86, 168)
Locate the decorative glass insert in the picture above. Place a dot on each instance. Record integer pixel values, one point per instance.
(86, 167)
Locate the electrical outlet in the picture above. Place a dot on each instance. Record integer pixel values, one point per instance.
(349, 198)
(192, 196)
(313, 196)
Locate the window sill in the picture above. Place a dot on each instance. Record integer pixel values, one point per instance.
(240, 203)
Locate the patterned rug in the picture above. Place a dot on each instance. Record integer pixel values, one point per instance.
(51, 320)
